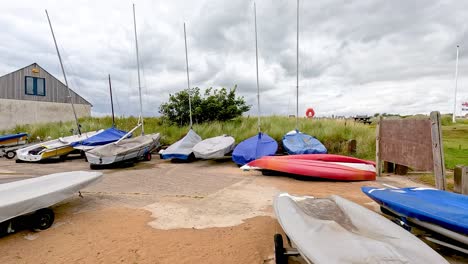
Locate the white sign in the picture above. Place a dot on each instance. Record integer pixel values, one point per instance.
(464, 106)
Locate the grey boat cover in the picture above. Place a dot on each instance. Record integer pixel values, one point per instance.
(26, 196)
(214, 148)
(126, 145)
(335, 230)
(182, 148)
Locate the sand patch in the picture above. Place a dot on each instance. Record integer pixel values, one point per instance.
(227, 207)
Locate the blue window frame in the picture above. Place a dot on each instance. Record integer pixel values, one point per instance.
(34, 86)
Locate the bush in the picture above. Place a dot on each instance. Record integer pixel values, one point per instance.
(214, 105)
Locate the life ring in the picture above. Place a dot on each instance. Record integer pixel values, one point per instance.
(310, 113)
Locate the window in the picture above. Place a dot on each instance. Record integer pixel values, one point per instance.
(35, 86)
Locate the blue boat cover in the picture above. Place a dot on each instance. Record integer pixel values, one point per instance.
(253, 148)
(296, 142)
(182, 149)
(11, 136)
(445, 209)
(105, 137)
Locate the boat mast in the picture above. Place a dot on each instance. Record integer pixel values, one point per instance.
(297, 69)
(138, 66)
(188, 78)
(112, 102)
(455, 94)
(256, 61)
(64, 75)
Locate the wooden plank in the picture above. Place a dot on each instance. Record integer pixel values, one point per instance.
(407, 142)
(461, 179)
(378, 160)
(438, 151)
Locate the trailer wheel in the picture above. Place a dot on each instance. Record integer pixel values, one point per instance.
(10, 154)
(43, 219)
(147, 156)
(280, 257)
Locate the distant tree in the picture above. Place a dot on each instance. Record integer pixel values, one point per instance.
(214, 105)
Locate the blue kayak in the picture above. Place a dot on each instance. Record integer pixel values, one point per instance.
(103, 138)
(296, 142)
(445, 209)
(253, 148)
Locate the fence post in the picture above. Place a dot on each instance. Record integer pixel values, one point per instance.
(460, 177)
(438, 151)
(378, 162)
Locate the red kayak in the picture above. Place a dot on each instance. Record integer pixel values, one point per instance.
(325, 157)
(341, 168)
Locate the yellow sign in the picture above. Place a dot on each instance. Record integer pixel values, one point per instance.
(35, 70)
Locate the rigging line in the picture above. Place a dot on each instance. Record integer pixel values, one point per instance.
(138, 66)
(297, 67)
(64, 74)
(256, 63)
(188, 78)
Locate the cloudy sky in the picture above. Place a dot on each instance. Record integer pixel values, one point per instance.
(355, 58)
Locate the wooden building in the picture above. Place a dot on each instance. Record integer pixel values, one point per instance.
(32, 95)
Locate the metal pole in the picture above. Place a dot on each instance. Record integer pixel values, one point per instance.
(455, 93)
(256, 61)
(188, 78)
(297, 67)
(112, 102)
(64, 75)
(138, 66)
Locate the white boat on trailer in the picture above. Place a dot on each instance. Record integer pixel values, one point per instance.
(126, 149)
(28, 201)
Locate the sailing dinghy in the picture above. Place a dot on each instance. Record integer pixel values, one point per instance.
(261, 144)
(105, 137)
(35, 195)
(296, 142)
(183, 149)
(58, 147)
(53, 148)
(214, 148)
(127, 149)
(335, 230)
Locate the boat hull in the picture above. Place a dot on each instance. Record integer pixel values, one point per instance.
(127, 149)
(254, 148)
(214, 148)
(26, 196)
(13, 140)
(316, 169)
(183, 148)
(295, 142)
(335, 230)
(50, 149)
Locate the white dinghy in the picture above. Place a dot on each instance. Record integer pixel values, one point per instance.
(335, 230)
(35, 195)
(53, 148)
(214, 148)
(127, 149)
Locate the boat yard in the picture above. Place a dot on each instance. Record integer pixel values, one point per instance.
(167, 212)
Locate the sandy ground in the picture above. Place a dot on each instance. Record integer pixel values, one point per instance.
(164, 212)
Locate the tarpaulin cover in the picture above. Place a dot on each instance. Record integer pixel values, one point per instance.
(213, 148)
(334, 230)
(296, 142)
(182, 148)
(253, 148)
(26, 196)
(12, 136)
(445, 209)
(105, 137)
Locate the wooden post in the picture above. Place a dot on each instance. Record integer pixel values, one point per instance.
(352, 146)
(438, 151)
(460, 178)
(378, 167)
